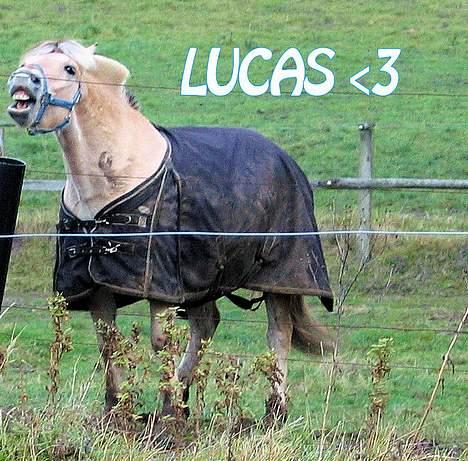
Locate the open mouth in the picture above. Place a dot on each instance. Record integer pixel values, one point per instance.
(23, 100)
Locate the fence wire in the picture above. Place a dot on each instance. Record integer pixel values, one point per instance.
(146, 86)
(242, 355)
(64, 174)
(292, 359)
(44, 310)
(203, 233)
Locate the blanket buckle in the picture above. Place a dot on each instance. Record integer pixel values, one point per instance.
(72, 252)
(101, 221)
(111, 249)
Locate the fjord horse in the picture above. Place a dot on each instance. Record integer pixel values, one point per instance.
(110, 149)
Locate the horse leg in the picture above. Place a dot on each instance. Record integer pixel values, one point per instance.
(203, 321)
(103, 311)
(158, 338)
(279, 334)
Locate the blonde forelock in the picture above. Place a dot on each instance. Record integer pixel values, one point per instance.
(71, 48)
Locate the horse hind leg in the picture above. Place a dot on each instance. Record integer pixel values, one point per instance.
(279, 335)
(103, 312)
(289, 324)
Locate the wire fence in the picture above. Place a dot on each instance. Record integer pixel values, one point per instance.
(147, 86)
(399, 328)
(152, 87)
(64, 174)
(343, 366)
(243, 355)
(280, 127)
(202, 233)
(238, 355)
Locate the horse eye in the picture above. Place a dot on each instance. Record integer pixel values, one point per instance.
(70, 70)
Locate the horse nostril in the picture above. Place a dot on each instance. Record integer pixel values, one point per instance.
(36, 80)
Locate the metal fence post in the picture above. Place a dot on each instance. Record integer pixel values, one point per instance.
(11, 180)
(2, 149)
(365, 203)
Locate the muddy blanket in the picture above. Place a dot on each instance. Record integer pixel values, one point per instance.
(212, 179)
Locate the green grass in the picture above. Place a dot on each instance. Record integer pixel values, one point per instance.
(415, 136)
(424, 291)
(409, 388)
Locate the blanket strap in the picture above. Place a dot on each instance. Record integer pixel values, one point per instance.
(126, 219)
(111, 247)
(247, 304)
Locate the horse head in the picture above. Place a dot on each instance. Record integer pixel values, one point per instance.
(53, 78)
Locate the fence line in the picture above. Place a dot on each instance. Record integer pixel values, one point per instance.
(143, 86)
(276, 125)
(365, 184)
(334, 183)
(402, 366)
(49, 185)
(197, 233)
(45, 310)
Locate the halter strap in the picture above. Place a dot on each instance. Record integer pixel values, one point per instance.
(48, 100)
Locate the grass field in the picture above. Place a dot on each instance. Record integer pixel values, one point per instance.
(418, 284)
(416, 136)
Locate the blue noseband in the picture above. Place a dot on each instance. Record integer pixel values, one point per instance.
(48, 100)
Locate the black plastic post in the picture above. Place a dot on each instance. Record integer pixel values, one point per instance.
(11, 181)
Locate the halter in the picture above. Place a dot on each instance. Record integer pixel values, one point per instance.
(48, 100)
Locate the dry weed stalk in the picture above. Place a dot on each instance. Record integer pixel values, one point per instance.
(440, 375)
(379, 361)
(23, 396)
(267, 365)
(126, 354)
(200, 379)
(230, 386)
(174, 422)
(227, 378)
(345, 245)
(348, 275)
(5, 353)
(62, 342)
(3, 359)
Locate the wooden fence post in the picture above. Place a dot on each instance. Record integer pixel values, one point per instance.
(365, 203)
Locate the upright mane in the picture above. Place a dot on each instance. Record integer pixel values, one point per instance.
(95, 68)
(82, 55)
(132, 99)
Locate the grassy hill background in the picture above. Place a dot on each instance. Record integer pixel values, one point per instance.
(416, 136)
(417, 283)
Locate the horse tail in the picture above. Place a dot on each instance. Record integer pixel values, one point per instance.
(308, 336)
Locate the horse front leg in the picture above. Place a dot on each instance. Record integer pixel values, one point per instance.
(203, 321)
(279, 335)
(103, 312)
(158, 337)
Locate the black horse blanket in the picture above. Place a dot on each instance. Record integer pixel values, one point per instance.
(212, 179)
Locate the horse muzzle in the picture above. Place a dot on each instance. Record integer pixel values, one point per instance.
(26, 88)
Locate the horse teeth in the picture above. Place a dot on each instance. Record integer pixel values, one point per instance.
(21, 96)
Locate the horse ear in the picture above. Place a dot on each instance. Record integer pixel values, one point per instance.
(92, 48)
(108, 70)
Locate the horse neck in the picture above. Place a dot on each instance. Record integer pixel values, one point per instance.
(109, 148)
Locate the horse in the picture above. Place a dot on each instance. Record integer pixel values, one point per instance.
(185, 190)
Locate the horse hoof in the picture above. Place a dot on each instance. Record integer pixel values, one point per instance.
(276, 412)
(168, 410)
(164, 433)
